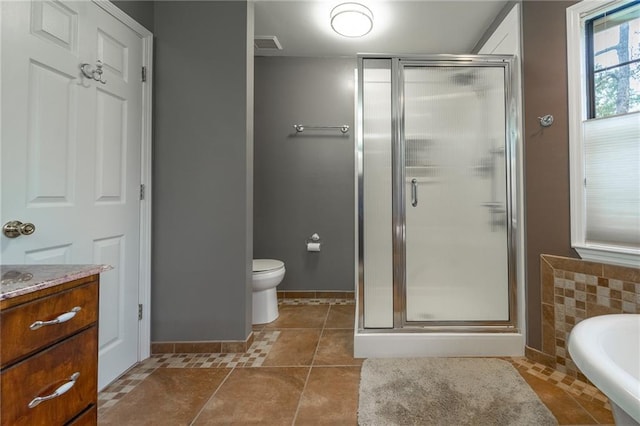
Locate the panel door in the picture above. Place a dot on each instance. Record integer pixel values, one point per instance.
(71, 154)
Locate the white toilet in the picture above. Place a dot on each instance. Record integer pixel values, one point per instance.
(267, 274)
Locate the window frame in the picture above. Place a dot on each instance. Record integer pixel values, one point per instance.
(588, 34)
(578, 103)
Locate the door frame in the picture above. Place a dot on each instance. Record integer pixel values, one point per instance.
(144, 283)
(398, 324)
(399, 64)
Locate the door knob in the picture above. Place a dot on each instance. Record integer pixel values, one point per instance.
(15, 228)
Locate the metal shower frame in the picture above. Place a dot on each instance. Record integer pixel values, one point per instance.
(400, 323)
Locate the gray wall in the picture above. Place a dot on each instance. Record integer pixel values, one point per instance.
(305, 183)
(202, 187)
(141, 11)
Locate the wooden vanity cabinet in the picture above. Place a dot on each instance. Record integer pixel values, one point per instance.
(38, 361)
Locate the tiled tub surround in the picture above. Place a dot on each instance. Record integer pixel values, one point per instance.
(573, 290)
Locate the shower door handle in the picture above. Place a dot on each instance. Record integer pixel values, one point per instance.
(414, 192)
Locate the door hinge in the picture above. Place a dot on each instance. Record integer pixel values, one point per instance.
(144, 74)
(142, 191)
(140, 312)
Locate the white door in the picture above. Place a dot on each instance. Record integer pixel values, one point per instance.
(71, 150)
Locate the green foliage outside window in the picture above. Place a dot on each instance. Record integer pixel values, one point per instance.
(616, 67)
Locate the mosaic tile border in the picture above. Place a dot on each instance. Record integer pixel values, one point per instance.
(254, 357)
(572, 385)
(316, 301)
(312, 294)
(122, 386)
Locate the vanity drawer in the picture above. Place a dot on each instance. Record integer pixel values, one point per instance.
(19, 340)
(88, 418)
(45, 372)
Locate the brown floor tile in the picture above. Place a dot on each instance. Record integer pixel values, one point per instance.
(341, 316)
(293, 348)
(330, 397)
(300, 316)
(336, 348)
(167, 396)
(308, 374)
(597, 410)
(563, 406)
(265, 396)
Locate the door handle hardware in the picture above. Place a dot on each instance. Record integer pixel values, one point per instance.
(15, 228)
(57, 320)
(62, 389)
(414, 192)
(94, 74)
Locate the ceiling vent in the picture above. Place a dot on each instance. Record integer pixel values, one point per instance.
(267, 42)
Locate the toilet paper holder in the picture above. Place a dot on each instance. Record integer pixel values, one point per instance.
(313, 242)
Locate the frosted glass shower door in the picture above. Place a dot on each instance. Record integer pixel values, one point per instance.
(455, 186)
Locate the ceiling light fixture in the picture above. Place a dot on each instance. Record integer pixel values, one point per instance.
(351, 20)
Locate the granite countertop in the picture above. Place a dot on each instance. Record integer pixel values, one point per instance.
(23, 279)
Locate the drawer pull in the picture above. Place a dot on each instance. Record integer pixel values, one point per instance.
(62, 389)
(58, 320)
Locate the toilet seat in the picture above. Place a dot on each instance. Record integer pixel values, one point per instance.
(262, 266)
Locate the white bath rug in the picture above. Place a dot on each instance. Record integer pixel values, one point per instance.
(447, 392)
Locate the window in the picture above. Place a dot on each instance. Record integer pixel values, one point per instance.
(612, 41)
(603, 58)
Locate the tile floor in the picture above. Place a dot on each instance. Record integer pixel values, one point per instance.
(299, 370)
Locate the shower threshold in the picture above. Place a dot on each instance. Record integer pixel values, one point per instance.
(437, 341)
(393, 344)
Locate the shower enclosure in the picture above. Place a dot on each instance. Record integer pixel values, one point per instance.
(436, 191)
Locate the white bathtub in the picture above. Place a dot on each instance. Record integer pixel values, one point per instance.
(607, 350)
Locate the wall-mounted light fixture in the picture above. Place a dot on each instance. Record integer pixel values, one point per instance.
(351, 19)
